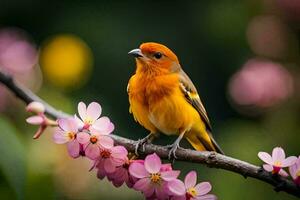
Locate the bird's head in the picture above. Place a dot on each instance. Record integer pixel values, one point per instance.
(155, 56)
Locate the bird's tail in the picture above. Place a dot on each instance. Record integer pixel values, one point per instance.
(201, 139)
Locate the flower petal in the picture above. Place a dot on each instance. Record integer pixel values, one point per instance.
(177, 187)
(109, 166)
(203, 188)
(162, 192)
(79, 122)
(82, 110)
(190, 179)
(289, 161)
(207, 197)
(166, 167)
(68, 124)
(142, 185)
(73, 148)
(294, 169)
(152, 163)
(119, 152)
(278, 154)
(170, 175)
(92, 151)
(83, 137)
(35, 120)
(59, 137)
(268, 168)
(105, 142)
(102, 124)
(283, 173)
(182, 197)
(94, 110)
(73, 124)
(101, 172)
(265, 157)
(138, 170)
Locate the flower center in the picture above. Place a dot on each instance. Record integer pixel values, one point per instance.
(155, 178)
(192, 191)
(298, 173)
(105, 153)
(88, 121)
(93, 139)
(277, 164)
(71, 135)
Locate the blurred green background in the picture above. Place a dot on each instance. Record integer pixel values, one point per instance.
(243, 56)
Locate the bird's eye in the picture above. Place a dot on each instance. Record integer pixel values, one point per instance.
(157, 55)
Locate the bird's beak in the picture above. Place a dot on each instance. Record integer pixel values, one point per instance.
(136, 53)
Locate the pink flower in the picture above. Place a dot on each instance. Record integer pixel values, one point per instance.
(110, 159)
(189, 190)
(277, 161)
(94, 141)
(66, 133)
(152, 181)
(90, 117)
(122, 175)
(295, 171)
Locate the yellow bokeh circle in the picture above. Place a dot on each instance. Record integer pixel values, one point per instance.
(66, 61)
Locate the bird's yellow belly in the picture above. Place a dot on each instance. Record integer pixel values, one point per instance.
(172, 114)
(141, 113)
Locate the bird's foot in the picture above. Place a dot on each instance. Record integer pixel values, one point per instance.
(172, 153)
(141, 143)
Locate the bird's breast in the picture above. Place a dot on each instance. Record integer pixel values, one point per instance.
(172, 113)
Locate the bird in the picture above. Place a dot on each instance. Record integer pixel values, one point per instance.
(163, 99)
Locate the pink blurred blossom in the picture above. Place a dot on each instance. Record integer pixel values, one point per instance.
(277, 161)
(190, 190)
(269, 36)
(261, 83)
(295, 171)
(18, 57)
(67, 133)
(90, 118)
(152, 181)
(17, 54)
(290, 8)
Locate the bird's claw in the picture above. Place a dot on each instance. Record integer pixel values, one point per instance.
(140, 143)
(172, 153)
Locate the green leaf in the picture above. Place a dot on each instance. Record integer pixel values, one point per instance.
(13, 157)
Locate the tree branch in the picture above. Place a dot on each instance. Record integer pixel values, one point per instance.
(211, 159)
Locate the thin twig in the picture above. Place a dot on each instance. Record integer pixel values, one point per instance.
(211, 159)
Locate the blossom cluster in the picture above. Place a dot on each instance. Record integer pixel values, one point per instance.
(88, 135)
(277, 161)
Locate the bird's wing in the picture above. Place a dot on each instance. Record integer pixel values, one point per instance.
(191, 94)
(128, 92)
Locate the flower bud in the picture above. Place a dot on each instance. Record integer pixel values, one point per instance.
(35, 107)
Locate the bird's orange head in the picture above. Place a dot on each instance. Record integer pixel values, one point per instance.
(153, 56)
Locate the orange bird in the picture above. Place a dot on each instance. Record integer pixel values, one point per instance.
(163, 99)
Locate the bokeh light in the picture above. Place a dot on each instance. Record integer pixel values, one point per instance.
(66, 61)
(269, 36)
(17, 53)
(261, 83)
(290, 8)
(18, 57)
